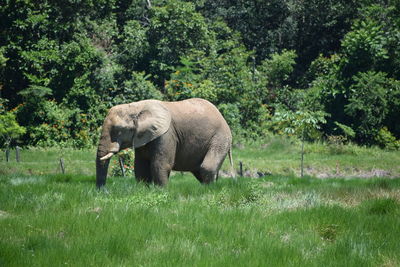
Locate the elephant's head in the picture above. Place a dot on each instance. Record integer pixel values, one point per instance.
(129, 125)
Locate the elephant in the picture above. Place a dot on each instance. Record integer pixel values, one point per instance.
(189, 135)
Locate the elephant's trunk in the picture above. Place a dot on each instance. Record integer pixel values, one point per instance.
(105, 151)
(101, 170)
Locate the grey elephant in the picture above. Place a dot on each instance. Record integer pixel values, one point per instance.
(189, 135)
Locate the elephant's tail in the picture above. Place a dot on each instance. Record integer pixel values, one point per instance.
(231, 162)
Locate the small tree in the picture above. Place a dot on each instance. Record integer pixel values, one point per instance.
(301, 124)
(9, 127)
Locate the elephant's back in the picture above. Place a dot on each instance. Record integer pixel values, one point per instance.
(194, 104)
(198, 125)
(199, 113)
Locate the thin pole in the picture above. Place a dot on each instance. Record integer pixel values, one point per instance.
(17, 149)
(7, 155)
(302, 155)
(121, 165)
(62, 165)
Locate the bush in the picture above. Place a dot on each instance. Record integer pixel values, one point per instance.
(9, 127)
(137, 88)
(278, 68)
(128, 158)
(57, 125)
(368, 105)
(232, 116)
(386, 140)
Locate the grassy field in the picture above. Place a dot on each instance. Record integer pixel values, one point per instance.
(53, 219)
(275, 156)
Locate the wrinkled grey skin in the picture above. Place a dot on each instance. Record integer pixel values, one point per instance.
(189, 135)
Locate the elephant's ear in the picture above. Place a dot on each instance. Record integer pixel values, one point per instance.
(153, 121)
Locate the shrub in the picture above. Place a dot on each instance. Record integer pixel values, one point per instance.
(57, 125)
(9, 127)
(386, 140)
(137, 88)
(368, 104)
(128, 159)
(232, 116)
(177, 89)
(278, 68)
(364, 47)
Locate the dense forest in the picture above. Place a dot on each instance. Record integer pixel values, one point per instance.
(315, 69)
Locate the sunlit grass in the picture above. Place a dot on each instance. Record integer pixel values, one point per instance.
(275, 155)
(53, 220)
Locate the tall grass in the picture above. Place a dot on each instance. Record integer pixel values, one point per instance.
(275, 155)
(51, 219)
(282, 156)
(57, 220)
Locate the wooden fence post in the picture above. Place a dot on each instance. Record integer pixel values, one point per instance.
(241, 169)
(62, 165)
(17, 149)
(121, 165)
(7, 155)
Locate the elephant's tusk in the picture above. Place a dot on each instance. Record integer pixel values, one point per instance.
(109, 155)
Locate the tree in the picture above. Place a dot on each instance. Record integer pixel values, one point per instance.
(368, 105)
(301, 124)
(9, 127)
(175, 30)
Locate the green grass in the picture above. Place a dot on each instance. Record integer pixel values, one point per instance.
(51, 219)
(39, 161)
(282, 156)
(277, 156)
(54, 220)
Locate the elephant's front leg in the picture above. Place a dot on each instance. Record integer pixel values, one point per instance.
(162, 157)
(142, 170)
(160, 170)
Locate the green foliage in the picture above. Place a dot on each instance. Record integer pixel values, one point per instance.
(134, 44)
(128, 159)
(343, 134)
(186, 82)
(251, 58)
(9, 127)
(35, 92)
(301, 124)
(381, 207)
(175, 30)
(364, 47)
(232, 116)
(138, 87)
(57, 125)
(179, 90)
(3, 59)
(368, 105)
(351, 86)
(310, 222)
(347, 131)
(278, 68)
(385, 139)
(393, 98)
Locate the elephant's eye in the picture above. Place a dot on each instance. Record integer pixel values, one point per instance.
(115, 131)
(118, 130)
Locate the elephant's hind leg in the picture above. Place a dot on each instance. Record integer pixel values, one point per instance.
(198, 176)
(209, 168)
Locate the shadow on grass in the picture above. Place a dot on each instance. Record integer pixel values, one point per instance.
(71, 178)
